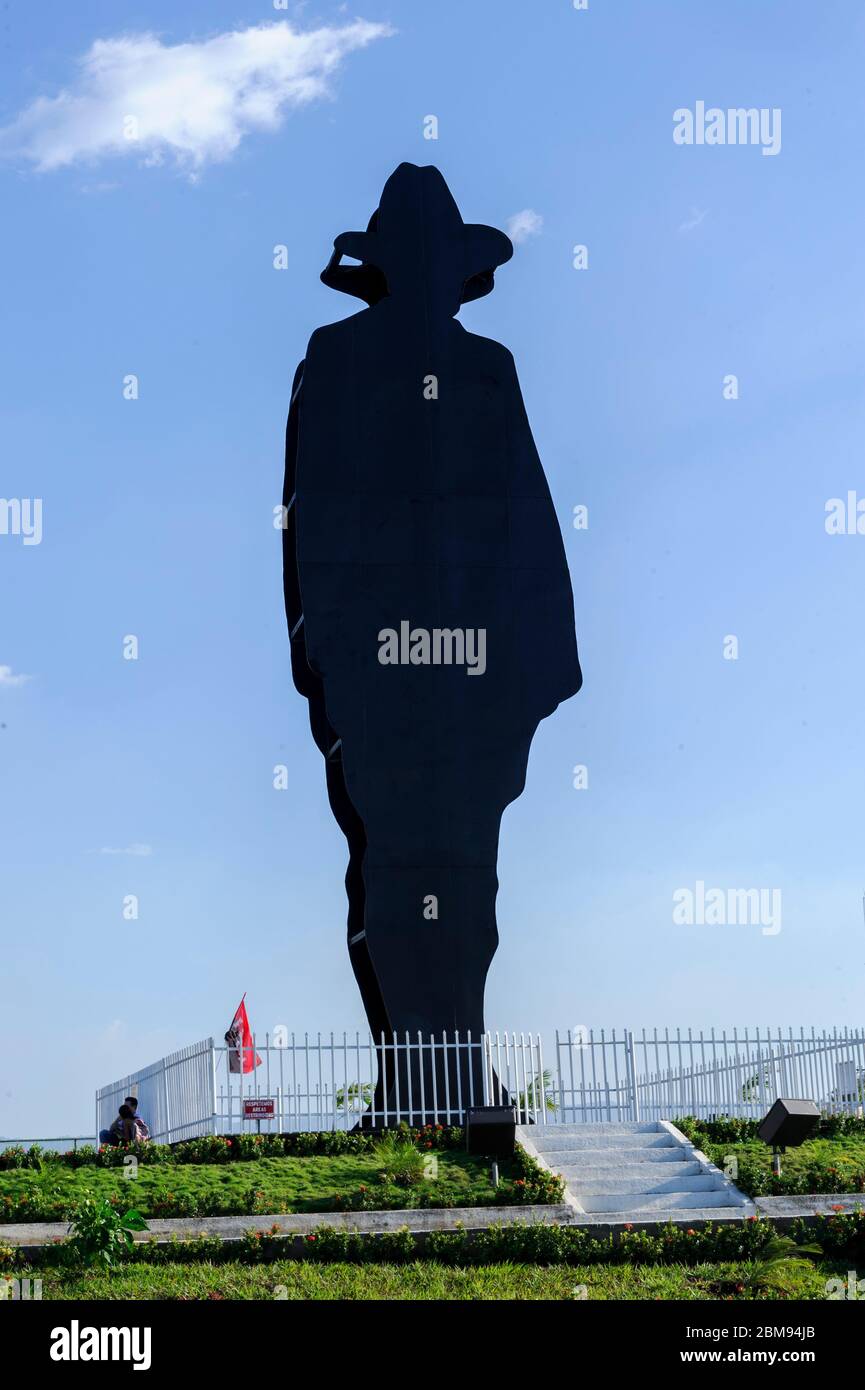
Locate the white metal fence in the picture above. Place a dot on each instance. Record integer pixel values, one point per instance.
(659, 1075)
(335, 1082)
(175, 1095)
(330, 1082)
(743, 1073)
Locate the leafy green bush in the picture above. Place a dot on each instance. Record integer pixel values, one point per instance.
(823, 1165)
(531, 1185)
(115, 1155)
(431, 1136)
(18, 1157)
(253, 1202)
(39, 1204)
(537, 1243)
(247, 1146)
(207, 1148)
(438, 1137)
(401, 1162)
(757, 1180)
(222, 1148)
(14, 1157)
(85, 1157)
(722, 1131)
(840, 1236)
(385, 1247)
(728, 1130)
(100, 1233)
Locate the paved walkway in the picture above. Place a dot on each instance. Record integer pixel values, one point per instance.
(35, 1234)
(782, 1211)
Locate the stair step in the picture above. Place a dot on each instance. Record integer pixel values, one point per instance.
(611, 1158)
(683, 1216)
(614, 1159)
(632, 1204)
(600, 1127)
(551, 1143)
(605, 1185)
(647, 1173)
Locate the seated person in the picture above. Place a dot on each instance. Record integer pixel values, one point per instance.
(122, 1131)
(142, 1133)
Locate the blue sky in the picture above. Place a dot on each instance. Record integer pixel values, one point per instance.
(706, 515)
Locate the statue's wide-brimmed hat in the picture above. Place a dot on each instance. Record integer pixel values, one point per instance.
(418, 223)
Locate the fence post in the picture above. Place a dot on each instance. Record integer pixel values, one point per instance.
(486, 1066)
(214, 1120)
(632, 1067)
(167, 1108)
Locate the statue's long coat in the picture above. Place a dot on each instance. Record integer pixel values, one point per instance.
(436, 511)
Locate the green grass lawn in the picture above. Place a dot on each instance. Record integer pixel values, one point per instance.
(291, 1279)
(262, 1185)
(819, 1165)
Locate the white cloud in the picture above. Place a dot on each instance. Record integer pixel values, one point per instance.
(9, 679)
(140, 851)
(524, 224)
(194, 101)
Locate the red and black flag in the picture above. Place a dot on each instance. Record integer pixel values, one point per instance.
(241, 1053)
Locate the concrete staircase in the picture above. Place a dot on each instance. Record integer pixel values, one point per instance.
(634, 1172)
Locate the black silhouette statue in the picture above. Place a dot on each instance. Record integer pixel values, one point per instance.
(429, 608)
